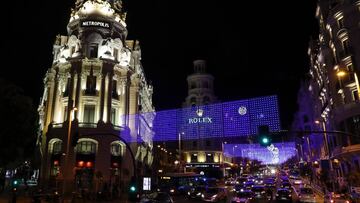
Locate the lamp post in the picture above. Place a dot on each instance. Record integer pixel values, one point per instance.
(342, 72)
(66, 172)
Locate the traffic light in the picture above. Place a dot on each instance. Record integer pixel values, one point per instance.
(264, 136)
(133, 194)
(15, 183)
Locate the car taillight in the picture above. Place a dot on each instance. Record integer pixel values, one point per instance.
(347, 201)
(332, 201)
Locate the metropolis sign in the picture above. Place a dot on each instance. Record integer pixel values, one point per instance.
(91, 23)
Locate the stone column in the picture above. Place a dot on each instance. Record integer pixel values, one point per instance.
(109, 98)
(123, 100)
(55, 98)
(102, 92)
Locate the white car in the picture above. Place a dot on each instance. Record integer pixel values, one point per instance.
(298, 181)
(307, 195)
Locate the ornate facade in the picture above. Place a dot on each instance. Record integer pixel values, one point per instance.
(96, 112)
(329, 98)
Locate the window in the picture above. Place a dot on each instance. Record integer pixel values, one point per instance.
(116, 53)
(192, 85)
(117, 149)
(89, 114)
(345, 44)
(206, 100)
(90, 85)
(194, 158)
(65, 113)
(205, 84)
(193, 101)
(341, 22)
(86, 147)
(114, 93)
(355, 95)
(93, 51)
(67, 88)
(113, 116)
(56, 148)
(194, 143)
(209, 158)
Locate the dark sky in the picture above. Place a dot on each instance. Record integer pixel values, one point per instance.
(253, 48)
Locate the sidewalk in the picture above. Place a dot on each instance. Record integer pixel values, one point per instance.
(6, 198)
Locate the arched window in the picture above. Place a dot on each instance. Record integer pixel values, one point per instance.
(193, 101)
(93, 41)
(55, 146)
(206, 100)
(86, 147)
(117, 148)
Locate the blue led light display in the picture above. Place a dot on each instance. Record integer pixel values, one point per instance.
(229, 119)
(284, 151)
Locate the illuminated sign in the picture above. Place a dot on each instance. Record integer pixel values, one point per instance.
(90, 23)
(221, 120)
(147, 184)
(200, 113)
(242, 110)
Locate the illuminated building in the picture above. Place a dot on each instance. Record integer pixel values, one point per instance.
(201, 148)
(329, 99)
(97, 71)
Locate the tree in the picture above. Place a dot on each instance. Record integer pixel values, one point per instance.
(18, 132)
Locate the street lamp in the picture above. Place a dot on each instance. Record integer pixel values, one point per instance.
(341, 72)
(65, 171)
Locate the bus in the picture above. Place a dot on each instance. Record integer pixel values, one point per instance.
(178, 183)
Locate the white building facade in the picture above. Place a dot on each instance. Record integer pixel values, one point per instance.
(97, 104)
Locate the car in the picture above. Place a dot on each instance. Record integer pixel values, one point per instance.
(283, 195)
(259, 191)
(243, 196)
(196, 192)
(156, 197)
(286, 185)
(214, 194)
(298, 181)
(307, 195)
(336, 198)
(249, 184)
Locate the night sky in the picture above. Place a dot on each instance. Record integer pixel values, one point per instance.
(253, 48)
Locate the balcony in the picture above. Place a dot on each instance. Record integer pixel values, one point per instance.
(87, 125)
(341, 151)
(348, 110)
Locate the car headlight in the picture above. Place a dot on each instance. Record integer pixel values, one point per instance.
(214, 196)
(198, 194)
(202, 195)
(188, 193)
(172, 190)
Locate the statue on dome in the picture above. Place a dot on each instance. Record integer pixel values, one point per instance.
(118, 5)
(78, 3)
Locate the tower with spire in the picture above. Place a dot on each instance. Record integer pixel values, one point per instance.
(92, 112)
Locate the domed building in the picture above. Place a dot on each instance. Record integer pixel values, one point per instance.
(96, 112)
